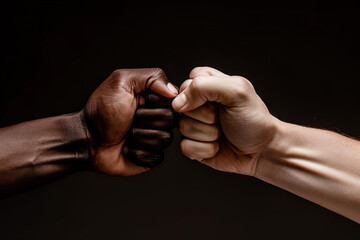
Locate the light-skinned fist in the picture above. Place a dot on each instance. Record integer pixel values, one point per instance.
(225, 124)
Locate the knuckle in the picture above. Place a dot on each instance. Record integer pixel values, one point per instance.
(213, 149)
(211, 114)
(242, 88)
(163, 140)
(165, 136)
(147, 159)
(243, 82)
(151, 98)
(158, 71)
(184, 148)
(139, 114)
(207, 113)
(187, 149)
(214, 132)
(197, 71)
(118, 78)
(181, 125)
(198, 83)
(117, 73)
(134, 132)
(168, 115)
(211, 119)
(240, 92)
(169, 121)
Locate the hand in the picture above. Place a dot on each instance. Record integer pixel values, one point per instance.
(119, 145)
(226, 125)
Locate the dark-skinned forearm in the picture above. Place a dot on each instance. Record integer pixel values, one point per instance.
(35, 152)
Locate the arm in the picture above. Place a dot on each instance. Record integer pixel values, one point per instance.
(41, 150)
(122, 130)
(319, 165)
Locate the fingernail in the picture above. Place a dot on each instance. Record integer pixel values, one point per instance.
(179, 101)
(172, 88)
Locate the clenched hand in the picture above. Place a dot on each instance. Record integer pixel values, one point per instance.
(129, 118)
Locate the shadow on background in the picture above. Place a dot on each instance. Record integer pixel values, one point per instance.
(302, 59)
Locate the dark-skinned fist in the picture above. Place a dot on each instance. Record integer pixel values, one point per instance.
(129, 120)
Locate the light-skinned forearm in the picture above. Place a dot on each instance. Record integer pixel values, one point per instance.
(318, 165)
(34, 152)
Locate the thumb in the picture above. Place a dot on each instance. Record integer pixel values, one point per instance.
(222, 89)
(196, 100)
(149, 78)
(185, 84)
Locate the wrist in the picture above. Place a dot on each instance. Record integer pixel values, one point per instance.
(81, 136)
(275, 150)
(291, 145)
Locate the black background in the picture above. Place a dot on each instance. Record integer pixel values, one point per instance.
(303, 60)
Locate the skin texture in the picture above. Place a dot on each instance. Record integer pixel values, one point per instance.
(109, 115)
(122, 130)
(227, 127)
(216, 105)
